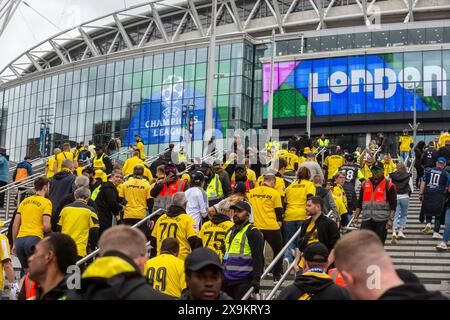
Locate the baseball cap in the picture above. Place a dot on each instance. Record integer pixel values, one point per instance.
(197, 176)
(442, 160)
(98, 174)
(217, 162)
(200, 258)
(242, 205)
(316, 252)
(349, 157)
(240, 187)
(306, 150)
(205, 165)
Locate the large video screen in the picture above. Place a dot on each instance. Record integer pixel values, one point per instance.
(360, 84)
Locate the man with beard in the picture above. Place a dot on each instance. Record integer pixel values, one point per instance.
(243, 249)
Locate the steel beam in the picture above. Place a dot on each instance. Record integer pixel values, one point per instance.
(194, 15)
(158, 22)
(123, 32)
(58, 52)
(89, 42)
(235, 14)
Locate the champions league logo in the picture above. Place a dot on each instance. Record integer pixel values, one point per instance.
(172, 89)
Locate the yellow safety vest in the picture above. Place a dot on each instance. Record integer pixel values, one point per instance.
(98, 162)
(237, 260)
(214, 189)
(95, 192)
(182, 157)
(324, 143)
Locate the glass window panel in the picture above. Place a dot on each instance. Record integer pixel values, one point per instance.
(168, 59)
(237, 50)
(91, 87)
(189, 72)
(179, 58)
(200, 88)
(93, 73)
(127, 81)
(158, 61)
(225, 51)
(224, 86)
(157, 77)
(99, 102)
(118, 83)
(101, 86)
(128, 68)
(110, 69)
(202, 55)
(190, 56)
(294, 46)
(446, 34)
(178, 71)
(148, 62)
(101, 71)
(236, 67)
(138, 64)
(109, 84)
(147, 78)
(119, 68)
(84, 75)
(137, 80)
(91, 103)
(200, 72)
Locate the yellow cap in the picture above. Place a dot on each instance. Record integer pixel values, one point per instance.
(98, 174)
(306, 150)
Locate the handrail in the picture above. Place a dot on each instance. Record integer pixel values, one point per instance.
(95, 252)
(291, 266)
(275, 260)
(411, 165)
(6, 225)
(20, 183)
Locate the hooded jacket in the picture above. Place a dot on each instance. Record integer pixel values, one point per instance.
(61, 185)
(219, 218)
(314, 286)
(107, 201)
(114, 276)
(4, 169)
(23, 165)
(411, 291)
(401, 181)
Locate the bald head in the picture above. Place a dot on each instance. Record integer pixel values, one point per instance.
(67, 164)
(364, 264)
(129, 241)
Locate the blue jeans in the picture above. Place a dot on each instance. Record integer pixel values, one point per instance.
(25, 248)
(437, 222)
(290, 228)
(403, 155)
(446, 236)
(401, 212)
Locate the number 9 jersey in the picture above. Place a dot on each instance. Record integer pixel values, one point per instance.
(178, 225)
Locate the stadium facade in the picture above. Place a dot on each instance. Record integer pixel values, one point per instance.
(144, 70)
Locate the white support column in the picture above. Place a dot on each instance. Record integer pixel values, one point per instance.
(123, 32)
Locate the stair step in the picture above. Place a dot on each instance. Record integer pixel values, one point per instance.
(418, 261)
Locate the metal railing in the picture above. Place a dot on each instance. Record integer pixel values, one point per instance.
(6, 226)
(289, 269)
(275, 260)
(94, 253)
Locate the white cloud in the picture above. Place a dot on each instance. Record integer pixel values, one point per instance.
(27, 28)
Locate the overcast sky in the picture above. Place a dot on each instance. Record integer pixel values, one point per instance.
(27, 28)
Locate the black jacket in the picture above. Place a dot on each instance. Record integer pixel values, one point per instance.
(429, 158)
(445, 152)
(114, 276)
(327, 232)
(61, 185)
(155, 164)
(107, 201)
(316, 286)
(411, 291)
(401, 181)
(60, 292)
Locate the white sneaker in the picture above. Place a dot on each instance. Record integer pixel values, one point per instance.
(285, 265)
(394, 238)
(427, 229)
(442, 247)
(401, 235)
(437, 236)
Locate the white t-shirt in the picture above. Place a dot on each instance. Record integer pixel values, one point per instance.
(197, 206)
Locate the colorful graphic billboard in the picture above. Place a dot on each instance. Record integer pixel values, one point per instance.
(356, 85)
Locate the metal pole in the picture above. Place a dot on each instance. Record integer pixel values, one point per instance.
(308, 109)
(270, 107)
(211, 71)
(7, 204)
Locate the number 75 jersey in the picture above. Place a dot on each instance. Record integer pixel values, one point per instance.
(213, 233)
(180, 226)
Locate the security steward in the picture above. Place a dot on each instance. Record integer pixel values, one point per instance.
(165, 272)
(217, 186)
(136, 193)
(101, 161)
(243, 254)
(165, 189)
(176, 223)
(268, 214)
(139, 146)
(377, 203)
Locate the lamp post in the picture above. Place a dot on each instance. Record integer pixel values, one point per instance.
(185, 123)
(415, 124)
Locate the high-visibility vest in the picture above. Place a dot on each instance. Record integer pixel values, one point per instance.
(164, 199)
(324, 143)
(248, 185)
(375, 203)
(337, 277)
(237, 261)
(21, 173)
(99, 163)
(182, 157)
(214, 189)
(95, 192)
(30, 287)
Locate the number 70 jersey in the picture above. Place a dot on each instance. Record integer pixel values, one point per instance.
(180, 227)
